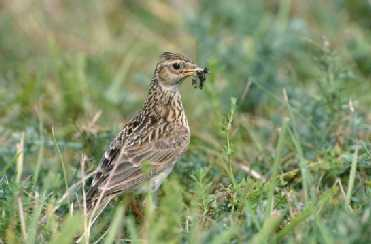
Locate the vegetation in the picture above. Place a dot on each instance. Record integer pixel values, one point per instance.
(281, 132)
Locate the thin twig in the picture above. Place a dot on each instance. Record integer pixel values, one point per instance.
(102, 236)
(22, 218)
(251, 172)
(60, 155)
(72, 187)
(294, 172)
(86, 230)
(98, 208)
(68, 192)
(20, 161)
(338, 181)
(20, 158)
(246, 90)
(352, 177)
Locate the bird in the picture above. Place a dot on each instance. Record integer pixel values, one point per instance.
(147, 147)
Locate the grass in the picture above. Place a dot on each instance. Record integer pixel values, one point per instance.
(280, 149)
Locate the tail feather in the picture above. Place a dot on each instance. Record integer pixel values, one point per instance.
(94, 206)
(96, 202)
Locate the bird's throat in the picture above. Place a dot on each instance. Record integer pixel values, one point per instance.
(164, 103)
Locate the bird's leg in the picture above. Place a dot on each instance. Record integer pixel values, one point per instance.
(136, 209)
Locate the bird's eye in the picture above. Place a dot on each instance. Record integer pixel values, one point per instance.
(176, 66)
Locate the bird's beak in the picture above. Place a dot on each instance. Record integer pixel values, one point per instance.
(194, 70)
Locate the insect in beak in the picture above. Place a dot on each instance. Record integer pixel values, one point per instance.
(200, 77)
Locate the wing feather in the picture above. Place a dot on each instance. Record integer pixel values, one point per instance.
(125, 165)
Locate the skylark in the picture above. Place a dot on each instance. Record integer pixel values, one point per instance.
(144, 152)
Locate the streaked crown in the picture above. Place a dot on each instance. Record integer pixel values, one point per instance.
(169, 56)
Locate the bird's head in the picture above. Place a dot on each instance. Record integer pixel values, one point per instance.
(173, 68)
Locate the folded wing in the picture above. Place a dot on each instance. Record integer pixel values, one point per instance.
(128, 163)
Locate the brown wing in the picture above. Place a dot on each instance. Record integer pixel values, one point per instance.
(146, 154)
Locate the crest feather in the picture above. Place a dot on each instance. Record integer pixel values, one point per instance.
(173, 56)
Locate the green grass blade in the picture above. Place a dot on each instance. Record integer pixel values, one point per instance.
(40, 155)
(225, 236)
(277, 158)
(71, 227)
(60, 155)
(32, 227)
(132, 229)
(325, 233)
(115, 226)
(20, 158)
(352, 178)
(306, 181)
(268, 228)
(306, 177)
(308, 211)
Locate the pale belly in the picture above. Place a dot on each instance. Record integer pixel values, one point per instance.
(154, 183)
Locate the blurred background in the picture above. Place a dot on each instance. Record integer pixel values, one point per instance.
(84, 66)
(71, 72)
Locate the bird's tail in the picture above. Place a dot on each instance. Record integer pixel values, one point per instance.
(93, 208)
